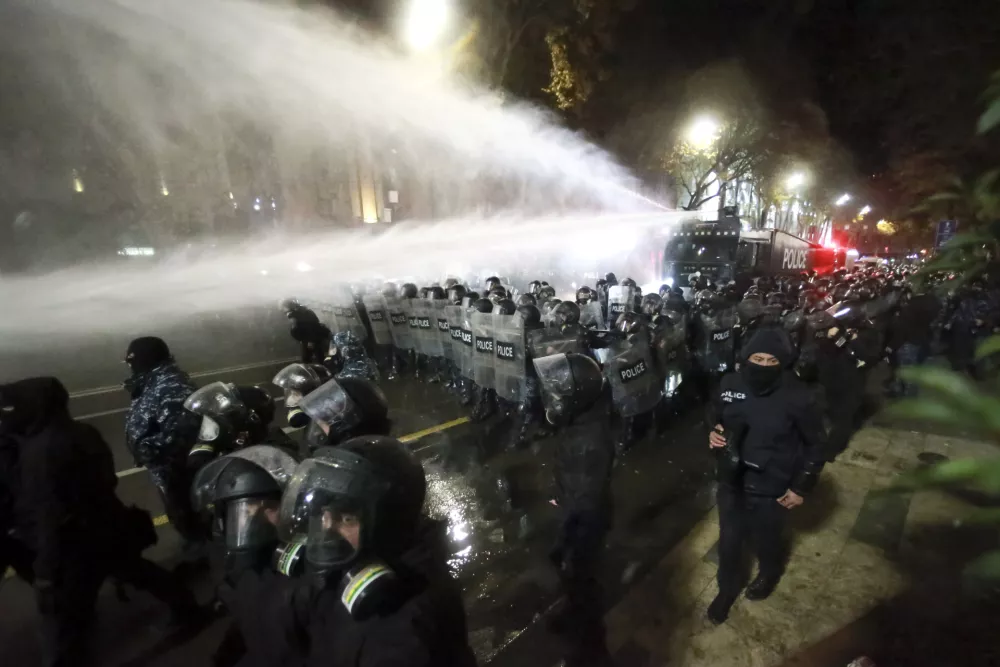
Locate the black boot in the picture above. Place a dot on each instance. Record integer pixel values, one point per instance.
(718, 611)
(762, 587)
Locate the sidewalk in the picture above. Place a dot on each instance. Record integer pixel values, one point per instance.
(869, 574)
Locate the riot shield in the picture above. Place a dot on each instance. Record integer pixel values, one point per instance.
(510, 363)
(669, 349)
(430, 337)
(592, 317)
(635, 384)
(378, 318)
(346, 314)
(468, 344)
(620, 300)
(459, 352)
(414, 311)
(482, 334)
(441, 326)
(549, 340)
(399, 319)
(715, 348)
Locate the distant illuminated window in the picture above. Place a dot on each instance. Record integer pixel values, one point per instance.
(133, 251)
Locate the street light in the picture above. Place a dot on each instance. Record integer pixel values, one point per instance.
(703, 132)
(844, 198)
(796, 180)
(424, 24)
(865, 211)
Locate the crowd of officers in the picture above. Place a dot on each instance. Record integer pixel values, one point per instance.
(325, 554)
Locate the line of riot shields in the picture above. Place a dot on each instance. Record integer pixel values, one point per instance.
(657, 351)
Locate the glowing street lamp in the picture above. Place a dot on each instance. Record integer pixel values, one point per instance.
(865, 211)
(702, 133)
(425, 23)
(843, 199)
(795, 181)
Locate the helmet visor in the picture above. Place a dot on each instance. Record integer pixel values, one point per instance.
(327, 502)
(214, 400)
(331, 405)
(555, 377)
(209, 430)
(249, 522)
(297, 377)
(279, 464)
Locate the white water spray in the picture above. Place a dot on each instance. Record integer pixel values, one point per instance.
(307, 80)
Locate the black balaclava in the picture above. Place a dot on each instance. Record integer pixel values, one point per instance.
(142, 356)
(146, 353)
(28, 406)
(763, 380)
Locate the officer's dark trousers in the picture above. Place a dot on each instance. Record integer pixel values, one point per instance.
(385, 357)
(174, 484)
(577, 554)
(844, 412)
(744, 518)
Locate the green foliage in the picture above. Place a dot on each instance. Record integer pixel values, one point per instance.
(991, 117)
(988, 347)
(953, 400)
(986, 566)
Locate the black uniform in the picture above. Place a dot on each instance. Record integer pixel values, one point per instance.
(387, 598)
(425, 627)
(13, 552)
(583, 465)
(67, 513)
(579, 405)
(311, 334)
(842, 362)
(781, 447)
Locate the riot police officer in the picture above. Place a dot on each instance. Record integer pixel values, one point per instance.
(636, 387)
(159, 433)
(484, 374)
(771, 433)
(232, 418)
(307, 330)
(843, 358)
(297, 381)
(242, 492)
(347, 407)
(377, 588)
(379, 324)
(578, 404)
(712, 339)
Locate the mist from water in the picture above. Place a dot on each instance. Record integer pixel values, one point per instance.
(99, 298)
(173, 69)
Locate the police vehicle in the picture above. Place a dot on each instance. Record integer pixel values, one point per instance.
(726, 250)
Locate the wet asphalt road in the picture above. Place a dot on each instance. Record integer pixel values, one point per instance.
(501, 524)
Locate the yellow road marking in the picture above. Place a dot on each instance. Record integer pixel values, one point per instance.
(434, 429)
